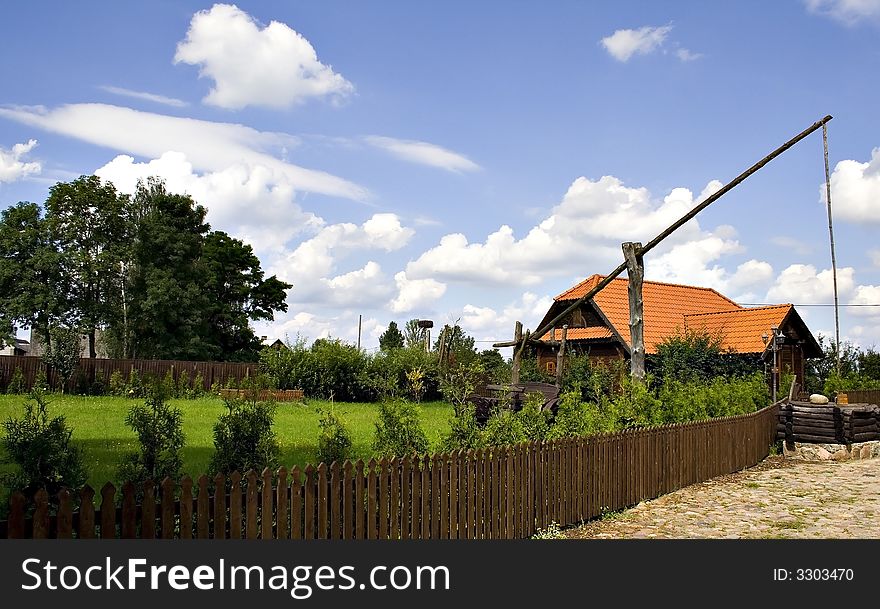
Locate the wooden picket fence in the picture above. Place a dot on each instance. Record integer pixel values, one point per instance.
(499, 493)
(100, 370)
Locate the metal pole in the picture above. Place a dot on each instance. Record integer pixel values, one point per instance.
(359, 332)
(833, 258)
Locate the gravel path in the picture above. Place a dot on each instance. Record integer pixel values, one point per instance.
(779, 498)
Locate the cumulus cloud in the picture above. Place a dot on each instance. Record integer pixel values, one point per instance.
(12, 165)
(849, 12)
(801, 283)
(855, 190)
(415, 294)
(582, 234)
(868, 299)
(791, 244)
(423, 153)
(209, 146)
(150, 97)
(488, 324)
(253, 202)
(623, 44)
(251, 65)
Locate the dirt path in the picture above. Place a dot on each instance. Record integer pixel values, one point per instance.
(777, 498)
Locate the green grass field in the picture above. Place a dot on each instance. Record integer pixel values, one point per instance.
(98, 425)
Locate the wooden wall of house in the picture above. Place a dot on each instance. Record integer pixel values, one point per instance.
(599, 353)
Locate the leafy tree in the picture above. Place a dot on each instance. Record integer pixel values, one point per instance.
(42, 450)
(413, 335)
(495, 366)
(697, 354)
(62, 354)
(34, 290)
(87, 220)
(457, 347)
(334, 441)
(392, 338)
(237, 293)
(869, 364)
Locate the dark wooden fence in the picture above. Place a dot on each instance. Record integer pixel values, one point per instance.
(499, 493)
(100, 370)
(863, 396)
(828, 424)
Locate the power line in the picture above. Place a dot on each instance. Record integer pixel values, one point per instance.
(767, 304)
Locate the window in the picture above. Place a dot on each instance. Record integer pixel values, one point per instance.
(550, 367)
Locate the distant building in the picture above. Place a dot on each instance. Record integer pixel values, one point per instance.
(101, 351)
(21, 347)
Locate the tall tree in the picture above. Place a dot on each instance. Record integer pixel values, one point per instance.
(391, 338)
(34, 291)
(413, 335)
(455, 345)
(86, 218)
(237, 294)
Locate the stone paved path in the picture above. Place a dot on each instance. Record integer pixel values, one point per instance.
(778, 498)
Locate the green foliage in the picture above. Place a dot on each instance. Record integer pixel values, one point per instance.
(159, 429)
(535, 422)
(455, 346)
(198, 387)
(244, 438)
(169, 387)
(858, 369)
(459, 381)
(42, 450)
(392, 338)
(334, 441)
(336, 369)
(497, 369)
(136, 386)
(464, 431)
(117, 384)
(551, 532)
(413, 335)
(62, 355)
(16, 383)
(41, 383)
(399, 431)
(503, 428)
(529, 372)
(695, 401)
(574, 418)
(697, 354)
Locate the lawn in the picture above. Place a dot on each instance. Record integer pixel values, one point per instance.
(98, 425)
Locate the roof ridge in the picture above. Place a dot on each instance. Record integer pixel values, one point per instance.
(577, 285)
(741, 310)
(666, 283)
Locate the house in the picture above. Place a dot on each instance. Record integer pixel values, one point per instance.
(21, 347)
(599, 327)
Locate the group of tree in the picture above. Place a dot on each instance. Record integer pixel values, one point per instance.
(145, 269)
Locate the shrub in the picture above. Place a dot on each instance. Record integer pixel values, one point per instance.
(574, 418)
(198, 387)
(117, 384)
(244, 438)
(389, 374)
(42, 450)
(697, 354)
(159, 430)
(136, 387)
(169, 387)
(535, 422)
(464, 431)
(503, 427)
(458, 383)
(334, 441)
(398, 431)
(41, 383)
(16, 383)
(182, 388)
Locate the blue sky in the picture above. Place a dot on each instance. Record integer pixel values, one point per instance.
(469, 161)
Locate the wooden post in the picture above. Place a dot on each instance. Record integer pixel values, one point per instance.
(635, 269)
(517, 354)
(560, 355)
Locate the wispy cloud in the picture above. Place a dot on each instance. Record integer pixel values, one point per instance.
(623, 44)
(849, 12)
(423, 153)
(151, 97)
(687, 55)
(12, 165)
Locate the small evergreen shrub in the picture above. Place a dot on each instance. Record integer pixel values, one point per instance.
(334, 441)
(41, 448)
(534, 421)
(16, 383)
(117, 384)
(504, 427)
(159, 430)
(398, 431)
(244, 438)
(464, 431)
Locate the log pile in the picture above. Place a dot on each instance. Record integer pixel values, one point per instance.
(828, 424)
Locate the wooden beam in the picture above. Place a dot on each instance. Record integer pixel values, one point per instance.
(635, 269)
(560, 355)
(683, 220)
(517, 353)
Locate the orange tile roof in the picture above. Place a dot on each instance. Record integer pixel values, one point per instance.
(740, 330)
(579, 333)
(666, 306)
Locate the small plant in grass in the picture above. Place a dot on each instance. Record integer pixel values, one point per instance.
(398, 431)
(244, 438)
(464, 431)
(41, 448)
(159, 429)
(41, 383)
(16, 383)
(183, 384)
(198, 387)
(334, 441)
(169, 387)
(136, 388)
(551, 532)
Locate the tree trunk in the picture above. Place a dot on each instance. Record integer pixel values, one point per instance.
(92, 353)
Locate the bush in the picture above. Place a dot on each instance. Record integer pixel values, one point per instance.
(464, 431)
(117, 384)
(458, 383)
(16, 383)
(198, 387)
(398, 431)
(334, 441)
(575, 418)
(535, 422)
(696, 354)
(503, 427)
(42, 449)
(390, 374)
(159, 429)
(244, 438)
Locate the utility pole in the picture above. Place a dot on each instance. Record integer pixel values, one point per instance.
(833, 258)
(359, 331)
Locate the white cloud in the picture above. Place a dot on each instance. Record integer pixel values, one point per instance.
(797, 246)
(875, 257)
(800, 283)
(423, 153)
(415, 294)
(581, 235)
(623, 44)
(686, 55)
(12, 167)
(209, 146)
(151, 97)
(252, 202)
(855, 190)
(487, 324)
(849, 12)
(867, 296)
(272, 66)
